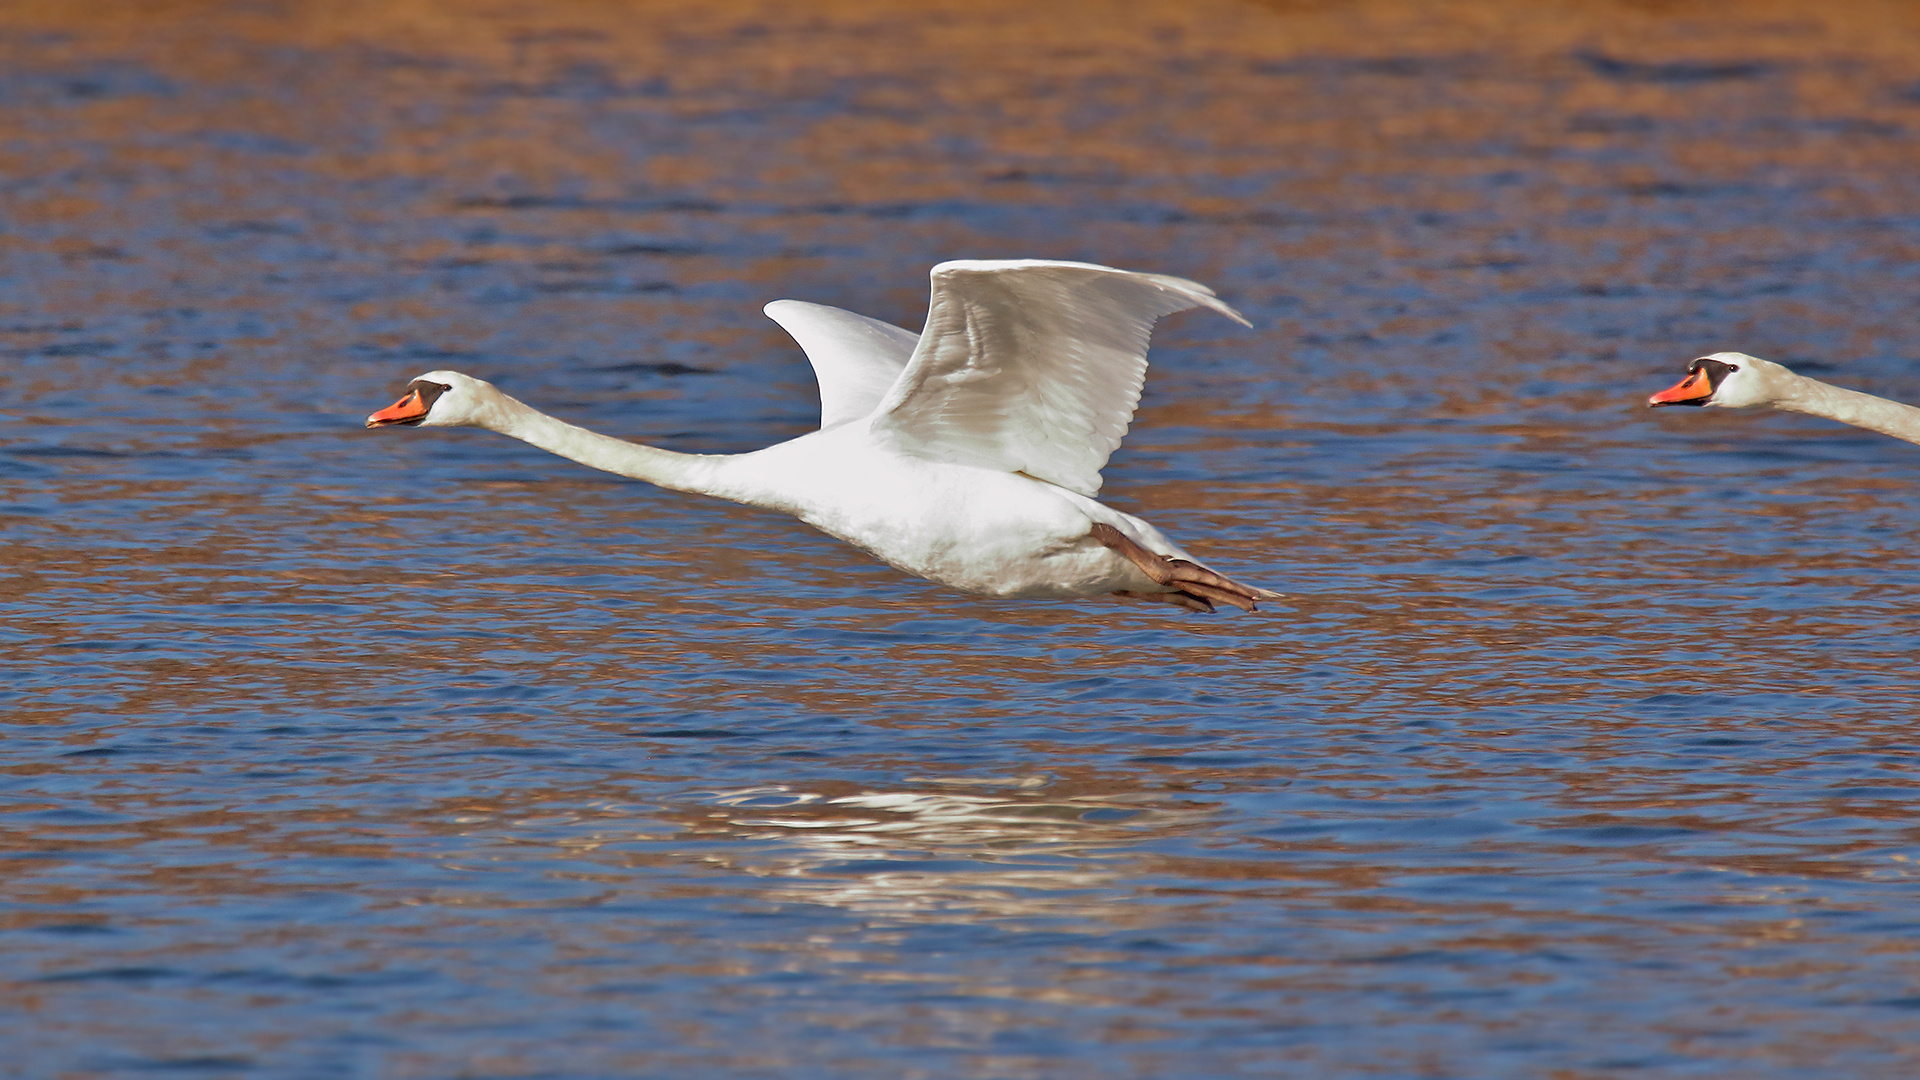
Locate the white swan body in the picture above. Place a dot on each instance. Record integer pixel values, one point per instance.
(1738, 381)
(968, 454)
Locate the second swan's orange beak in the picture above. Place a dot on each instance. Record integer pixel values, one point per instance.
(408, 410)
(1695, 389)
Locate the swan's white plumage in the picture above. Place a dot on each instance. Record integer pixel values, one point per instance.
(855, 359)
(1032, 366)
(967, 455)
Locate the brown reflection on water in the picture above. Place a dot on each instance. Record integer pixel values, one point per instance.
(1446, 640)
(372, 93)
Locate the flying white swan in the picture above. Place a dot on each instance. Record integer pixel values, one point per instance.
(1738, 381)
(968, 454)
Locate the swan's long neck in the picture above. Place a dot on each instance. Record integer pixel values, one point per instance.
(705, 474)
(1851, 407)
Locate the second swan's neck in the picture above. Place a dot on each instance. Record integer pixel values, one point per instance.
(1852, 407)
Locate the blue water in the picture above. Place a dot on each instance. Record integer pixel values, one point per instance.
(1583, 745)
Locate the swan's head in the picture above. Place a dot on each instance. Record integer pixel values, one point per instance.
(1729, 379)
(438, 399)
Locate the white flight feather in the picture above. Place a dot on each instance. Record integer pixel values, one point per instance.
(1031, 366)
(855, 359)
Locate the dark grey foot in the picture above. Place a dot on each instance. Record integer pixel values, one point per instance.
(1196, 588)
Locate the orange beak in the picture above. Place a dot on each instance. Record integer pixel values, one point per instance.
(409, 409)
(1692, 390)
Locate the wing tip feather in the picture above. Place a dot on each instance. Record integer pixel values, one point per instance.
(1187, 289)
(1199, 294)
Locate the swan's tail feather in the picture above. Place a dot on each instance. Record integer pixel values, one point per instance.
(1193, 586)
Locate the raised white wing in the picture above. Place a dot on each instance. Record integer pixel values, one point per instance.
(1032, 366)
(856, 360)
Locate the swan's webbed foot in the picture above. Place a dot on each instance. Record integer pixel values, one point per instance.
(1196, 588)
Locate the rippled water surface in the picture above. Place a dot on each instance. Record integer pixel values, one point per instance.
(1584, 744)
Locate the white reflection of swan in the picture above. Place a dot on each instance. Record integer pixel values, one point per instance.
(1024, 853)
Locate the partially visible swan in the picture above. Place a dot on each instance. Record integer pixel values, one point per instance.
(1738, 381)
(968, 454)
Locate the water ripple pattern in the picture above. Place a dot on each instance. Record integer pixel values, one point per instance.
(1584, 744)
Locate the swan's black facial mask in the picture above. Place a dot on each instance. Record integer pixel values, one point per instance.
(429, 393)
